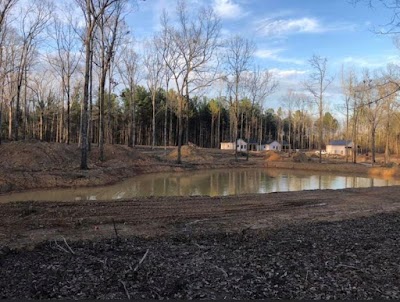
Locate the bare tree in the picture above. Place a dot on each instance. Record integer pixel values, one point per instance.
(109, 25)
(153, 62)
(259, 85)
(163, 48)
(374, 92)
(35, 17)
(317, 84)
(92, 12)
(5, 8)
(238, 55)
(128, 64)
(192, 42)
(347, 83)
(289, 101)
(67, 58)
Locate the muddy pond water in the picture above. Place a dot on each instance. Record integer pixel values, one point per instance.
(210, 182)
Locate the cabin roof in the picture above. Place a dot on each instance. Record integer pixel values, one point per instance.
(339, 143)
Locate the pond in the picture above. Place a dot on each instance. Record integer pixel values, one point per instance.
(209, 182)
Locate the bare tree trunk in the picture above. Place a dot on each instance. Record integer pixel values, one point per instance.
(387, 151)
(218, 129)
(68, 110)
(41, 126)
(89, 111)
(373, 151)
(25, 117)
(354, 135)
(347, 132)
(84, 117)
(101, 116)
(10, 121)
(180, 130)
(187, 128)
(171, 142)
(132, 122)
(153, 122)
(1, 120)
(166, 116)
(320, 128)
(212, 132)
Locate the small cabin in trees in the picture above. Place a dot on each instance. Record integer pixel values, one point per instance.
(241, 145)
(264, 146)
(339, 147)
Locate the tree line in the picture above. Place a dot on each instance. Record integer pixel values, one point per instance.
(79, 78)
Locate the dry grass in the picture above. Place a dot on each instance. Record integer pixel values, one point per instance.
(384, 172)
(190, 153)
(272, 156)
(301, 158)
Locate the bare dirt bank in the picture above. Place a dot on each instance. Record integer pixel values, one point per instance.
(34, 165)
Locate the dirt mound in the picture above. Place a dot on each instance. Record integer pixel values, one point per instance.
(38, 156)
(43, 156)
(191, 153)
(272, 156)
(301, 158)
(119, 156)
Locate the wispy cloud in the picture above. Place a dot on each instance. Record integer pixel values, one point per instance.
(372, 62)
(228, 9)
(274, 54)
(278, 26)
(287, 73)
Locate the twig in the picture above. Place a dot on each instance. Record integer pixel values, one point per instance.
(115, 230)
(126, 290)
(307, 277)
(222, 270)
(348, 266)
(66, 243)
(141, 261)
(197, 221)
(60, 247)
(202, 247)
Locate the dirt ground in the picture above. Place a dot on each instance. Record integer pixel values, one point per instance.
(30, 165)
(331, 244)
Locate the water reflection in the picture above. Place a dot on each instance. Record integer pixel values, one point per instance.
(212, 183)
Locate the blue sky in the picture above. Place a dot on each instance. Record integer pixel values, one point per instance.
(288, 32)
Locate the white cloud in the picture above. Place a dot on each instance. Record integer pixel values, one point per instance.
(287, 73)
(278, 26)
(228, 9)
(273, 54)
(371, 62)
